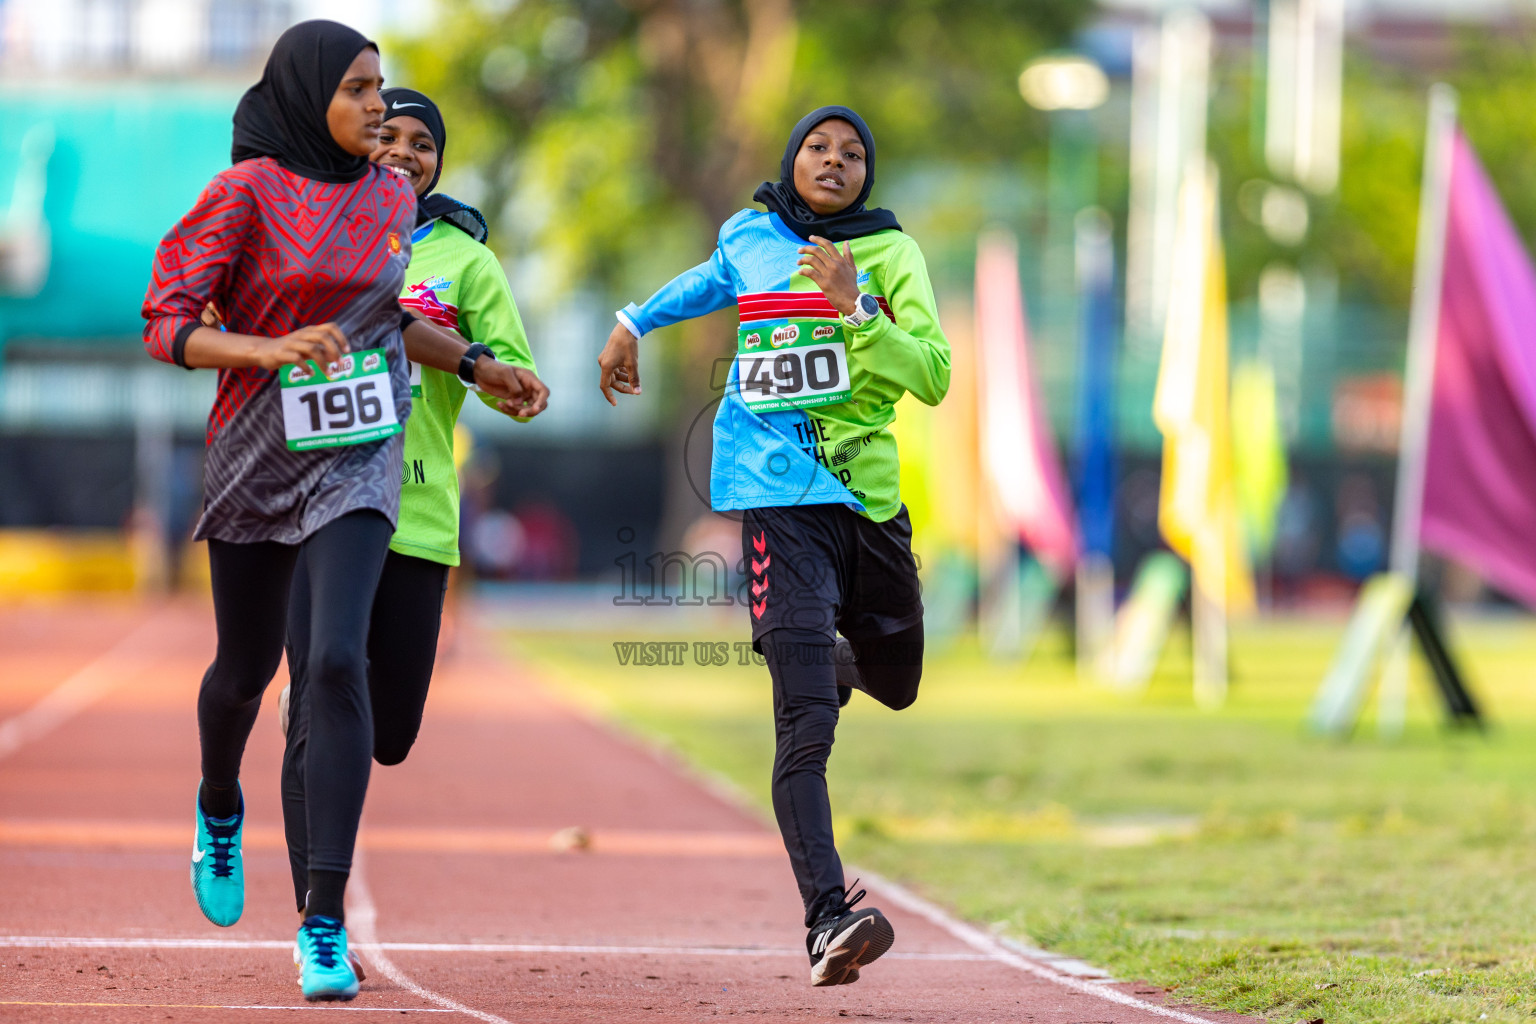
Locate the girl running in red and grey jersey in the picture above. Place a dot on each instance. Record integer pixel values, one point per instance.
(302, 246)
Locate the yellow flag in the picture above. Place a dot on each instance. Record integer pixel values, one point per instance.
(1258, 455)
(1197, 512)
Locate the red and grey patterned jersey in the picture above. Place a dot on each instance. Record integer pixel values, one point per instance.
(276, 251)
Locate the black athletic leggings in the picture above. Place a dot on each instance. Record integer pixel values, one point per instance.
(402, 646)
(250, 598)
(806, 670)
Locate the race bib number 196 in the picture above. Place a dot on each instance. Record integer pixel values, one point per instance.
(347, 402)
(796, 364)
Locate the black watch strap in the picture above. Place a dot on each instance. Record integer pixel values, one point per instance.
(471, 356)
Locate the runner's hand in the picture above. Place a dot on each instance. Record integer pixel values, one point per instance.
(535, 395)
(211, 317)
(324, 343)
(835, 273)
(620, 364)
(521, 391)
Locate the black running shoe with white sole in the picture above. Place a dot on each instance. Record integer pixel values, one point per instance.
(846, 940)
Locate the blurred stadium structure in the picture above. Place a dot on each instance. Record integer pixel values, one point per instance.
(116, 114)
(113, 113)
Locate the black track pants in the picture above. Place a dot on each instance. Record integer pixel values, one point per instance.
(402, 646)
(805, 713)
(251, 600)
(250, 611)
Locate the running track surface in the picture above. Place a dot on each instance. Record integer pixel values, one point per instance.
(681, 906)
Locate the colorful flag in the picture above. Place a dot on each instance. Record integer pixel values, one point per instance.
(1479, 505)
(1198, 508)
(1019, 460)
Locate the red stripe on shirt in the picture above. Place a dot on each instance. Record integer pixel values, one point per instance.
(755, 306)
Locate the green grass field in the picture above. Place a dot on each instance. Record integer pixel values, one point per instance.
(1227, 855)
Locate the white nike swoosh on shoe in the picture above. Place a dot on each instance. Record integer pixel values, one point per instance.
(197, 856)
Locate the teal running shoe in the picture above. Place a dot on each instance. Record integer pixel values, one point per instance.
(325, 963)
(218, 873)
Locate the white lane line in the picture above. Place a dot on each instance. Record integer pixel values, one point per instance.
(94, 942)
(91, 942)
(212, 1006)
(71, 696)
(984, 942)
(363, 919)
(353, 1009)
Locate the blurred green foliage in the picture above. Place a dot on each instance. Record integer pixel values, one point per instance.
(614, 137)
(1365, 233)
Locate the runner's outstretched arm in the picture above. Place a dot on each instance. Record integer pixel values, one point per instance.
(696, 292)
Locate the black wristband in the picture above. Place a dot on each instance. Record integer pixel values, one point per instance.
(179, 343)
(406, 319)
(470, 357)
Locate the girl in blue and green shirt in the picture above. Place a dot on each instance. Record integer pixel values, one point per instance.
(837, 321)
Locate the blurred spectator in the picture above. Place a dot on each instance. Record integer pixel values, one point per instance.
(1361, 541)
(497, 544)
(550, 544)
(1297, 543)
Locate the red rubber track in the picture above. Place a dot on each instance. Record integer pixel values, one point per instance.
(682, 908)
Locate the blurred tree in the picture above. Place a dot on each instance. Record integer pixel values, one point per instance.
(615, 124)
(613, 137)
(1368, 229)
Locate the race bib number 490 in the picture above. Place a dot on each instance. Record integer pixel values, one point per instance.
(346, 402)
(796, 364)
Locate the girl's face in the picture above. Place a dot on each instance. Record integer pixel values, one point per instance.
(406, 147)
(357, 107)
(830, 169)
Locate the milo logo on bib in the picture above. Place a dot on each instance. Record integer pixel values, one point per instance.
(805, 365)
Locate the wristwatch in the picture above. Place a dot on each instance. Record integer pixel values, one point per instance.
(865, 309)
(468, 360)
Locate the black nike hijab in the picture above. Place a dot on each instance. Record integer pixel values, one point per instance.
(431, 205)
(782, 198)
(284, 115)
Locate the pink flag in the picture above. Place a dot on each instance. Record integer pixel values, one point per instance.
(1018, 454)
(1480, 477)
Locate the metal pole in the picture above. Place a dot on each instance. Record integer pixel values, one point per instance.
(1418, 386)
(1423, 329)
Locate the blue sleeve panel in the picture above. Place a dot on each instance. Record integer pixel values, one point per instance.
(708, 287)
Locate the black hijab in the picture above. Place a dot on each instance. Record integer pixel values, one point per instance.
(852, 221)
(430, 207)
(283, 115)
(410, 103)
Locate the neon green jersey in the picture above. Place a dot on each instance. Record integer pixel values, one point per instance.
(458, 283)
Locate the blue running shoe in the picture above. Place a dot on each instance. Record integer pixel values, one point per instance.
(325, 963)
(218, 874)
